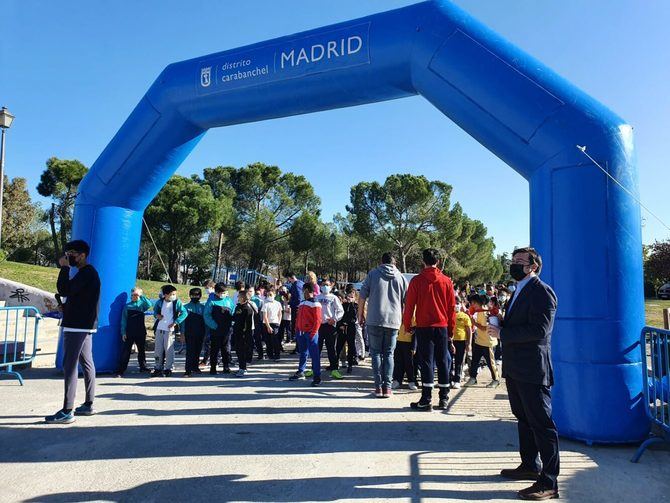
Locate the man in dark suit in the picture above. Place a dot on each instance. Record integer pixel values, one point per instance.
(526, 340)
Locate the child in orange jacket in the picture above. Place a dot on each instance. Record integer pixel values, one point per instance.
(307, 335)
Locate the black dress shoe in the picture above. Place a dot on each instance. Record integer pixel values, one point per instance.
(519, 473)
(537, 492)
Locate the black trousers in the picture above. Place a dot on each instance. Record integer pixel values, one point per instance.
(272, 341)
(459, 359)
(404, 362)
(294, 318)
(346, 334)
(193, 348)
(479, 352)
(259, 328)
(244, 347)
(433, 351)
(220, 342)
(140, 340)
(285, 333)
(328, 336)
(531, 405)
(206, 345)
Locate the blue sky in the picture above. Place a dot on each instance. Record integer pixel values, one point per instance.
(72, 71)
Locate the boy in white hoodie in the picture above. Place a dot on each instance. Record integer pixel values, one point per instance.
(331, 312)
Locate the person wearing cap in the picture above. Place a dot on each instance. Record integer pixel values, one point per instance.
(80, 295)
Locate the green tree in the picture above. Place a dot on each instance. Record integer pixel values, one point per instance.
(403, 209)
(219, 180)
(267, 203)
(307, 234)
(505, 261)
(657, 263)
(472, 258)
(18, 216)
(59, 181)
(179, 216)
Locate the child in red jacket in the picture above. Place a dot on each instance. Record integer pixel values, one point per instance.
(307, 335)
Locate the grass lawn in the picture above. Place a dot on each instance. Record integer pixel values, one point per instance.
(45, 279)
(654, 311)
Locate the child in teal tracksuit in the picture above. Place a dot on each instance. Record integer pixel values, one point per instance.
(219, 319)
(169, 313)
(133, 330)
(193, 330)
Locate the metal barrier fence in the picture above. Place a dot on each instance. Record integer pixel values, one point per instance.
(655, 346)
(19, 327)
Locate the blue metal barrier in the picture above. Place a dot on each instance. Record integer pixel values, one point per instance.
(655, 347)
(19, 327)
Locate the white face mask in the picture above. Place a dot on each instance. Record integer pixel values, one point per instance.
(222, 295)
(325, 289)
(172, 297)
(210, 290)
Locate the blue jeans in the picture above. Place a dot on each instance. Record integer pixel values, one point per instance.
(382, 345)
(307, 344)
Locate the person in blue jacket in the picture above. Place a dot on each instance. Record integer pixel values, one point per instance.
(134, 331)
(193, 330)
(219, 318)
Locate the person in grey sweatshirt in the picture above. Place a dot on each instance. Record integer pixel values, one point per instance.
(384, 291)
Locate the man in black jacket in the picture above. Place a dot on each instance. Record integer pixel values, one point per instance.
(80, 295)
(526, 340)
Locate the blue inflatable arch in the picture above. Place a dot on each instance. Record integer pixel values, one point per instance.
(586, 228)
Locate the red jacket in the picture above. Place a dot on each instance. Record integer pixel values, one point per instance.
(431, 292)
(309, 317)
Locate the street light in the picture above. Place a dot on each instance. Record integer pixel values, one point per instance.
(5, 122)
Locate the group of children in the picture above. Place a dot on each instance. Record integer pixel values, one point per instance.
(471, 343)
(251, 320)
(262, 320)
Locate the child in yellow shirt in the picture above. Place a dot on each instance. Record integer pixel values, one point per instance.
(403, 357)
(461, 340)
(483, 345)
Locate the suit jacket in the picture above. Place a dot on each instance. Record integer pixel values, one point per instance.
(526, 334)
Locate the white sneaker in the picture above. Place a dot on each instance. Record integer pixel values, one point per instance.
(395, 384)
(456, 385)
(413, 386)
(471, 382)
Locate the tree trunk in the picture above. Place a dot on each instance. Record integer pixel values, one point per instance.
(403, 260)
(306, 262)
(149, 264)
(219, 251)
(54, 236)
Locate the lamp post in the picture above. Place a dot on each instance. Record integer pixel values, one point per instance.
(5, 122)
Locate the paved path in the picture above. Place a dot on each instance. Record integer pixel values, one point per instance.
(267, 439)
